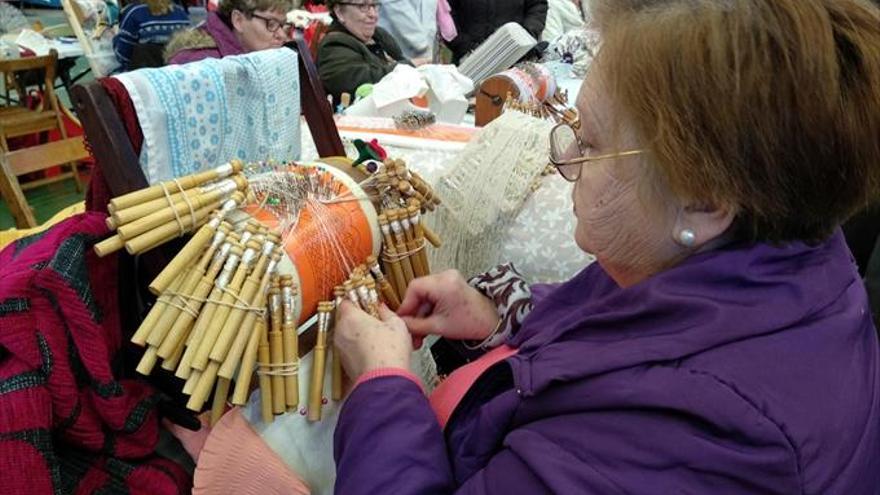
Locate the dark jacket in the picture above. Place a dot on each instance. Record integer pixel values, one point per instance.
(475, 20)
(345, 62)
(749, 369)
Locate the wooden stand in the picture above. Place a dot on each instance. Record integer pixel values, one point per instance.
(490, 98)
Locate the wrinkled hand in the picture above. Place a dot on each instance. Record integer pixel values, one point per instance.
(366, 344)
(444, 304)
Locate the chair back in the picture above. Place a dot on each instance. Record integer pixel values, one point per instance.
(16, 68)
(22, 121)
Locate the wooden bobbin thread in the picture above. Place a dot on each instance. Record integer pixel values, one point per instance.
(132, 213)
(181, 331)
(276, 352)
(224, 265)
(373, 295)
(401, 248)
(290, 341)
(194, 245)
(143, 331)
(257, 304)
(171, 230)
(316, 387)
(415, 221)
(249, 295)
(397, 278)
(187, 182)
(203, 361)
(248, 325)
(337, 373)
(203, 323)
(221, 312)
(388, 294)
(429, 234)
(171, 312)
(265, 381)
(249, 364)
(411, 245)
(180, 213)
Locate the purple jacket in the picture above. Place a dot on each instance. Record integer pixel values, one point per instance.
(224, 42)
(752, 369)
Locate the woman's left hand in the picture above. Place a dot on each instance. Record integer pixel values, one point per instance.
(366, 343)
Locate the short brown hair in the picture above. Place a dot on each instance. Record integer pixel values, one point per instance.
(770, 106)
(250, 6)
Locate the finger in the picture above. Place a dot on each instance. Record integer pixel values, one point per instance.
(389, 317)
(422, 326)
(349, 315)
(418, 293)
(417, 342)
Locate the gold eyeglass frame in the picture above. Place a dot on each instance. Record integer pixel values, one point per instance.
(582, 159)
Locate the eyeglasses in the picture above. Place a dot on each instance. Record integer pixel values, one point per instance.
(363, 7)
(272, 25)
(568, 153)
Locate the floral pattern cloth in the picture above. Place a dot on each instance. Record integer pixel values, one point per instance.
(197, 116)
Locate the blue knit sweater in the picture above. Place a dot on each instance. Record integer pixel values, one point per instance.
(138, 25)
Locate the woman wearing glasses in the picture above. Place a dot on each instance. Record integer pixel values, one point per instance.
(355, 51)
(722, 343)
(238, 26)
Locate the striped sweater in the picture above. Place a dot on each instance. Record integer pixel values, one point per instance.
(138, 26)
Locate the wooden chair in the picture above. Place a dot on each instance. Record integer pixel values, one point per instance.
(17, 121)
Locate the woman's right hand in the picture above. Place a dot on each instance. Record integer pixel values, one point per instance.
(444, 304)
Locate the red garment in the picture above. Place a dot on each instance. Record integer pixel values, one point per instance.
(68, 424)
(98, 194)
(449, 393)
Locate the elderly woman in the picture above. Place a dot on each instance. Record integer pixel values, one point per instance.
(723, 342)
(238, 26)
(355, 50)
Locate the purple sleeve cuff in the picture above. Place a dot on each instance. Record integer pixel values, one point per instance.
(381, 372)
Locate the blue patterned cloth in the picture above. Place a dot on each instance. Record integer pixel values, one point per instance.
(200, 115)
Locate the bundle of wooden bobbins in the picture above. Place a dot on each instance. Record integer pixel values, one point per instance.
(405, 196)
(232, 302)
(402, 196)
(150, 217)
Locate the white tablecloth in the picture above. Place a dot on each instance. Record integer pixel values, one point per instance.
(69, 48)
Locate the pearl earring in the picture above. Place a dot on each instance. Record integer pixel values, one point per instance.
(687, 237)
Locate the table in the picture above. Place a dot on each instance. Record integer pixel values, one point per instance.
(68, 49)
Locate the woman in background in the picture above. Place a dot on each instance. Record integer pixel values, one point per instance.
(238, 26)
(150, 24)
(355, 50)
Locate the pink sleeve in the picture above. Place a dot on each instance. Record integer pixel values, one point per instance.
(235, 459)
